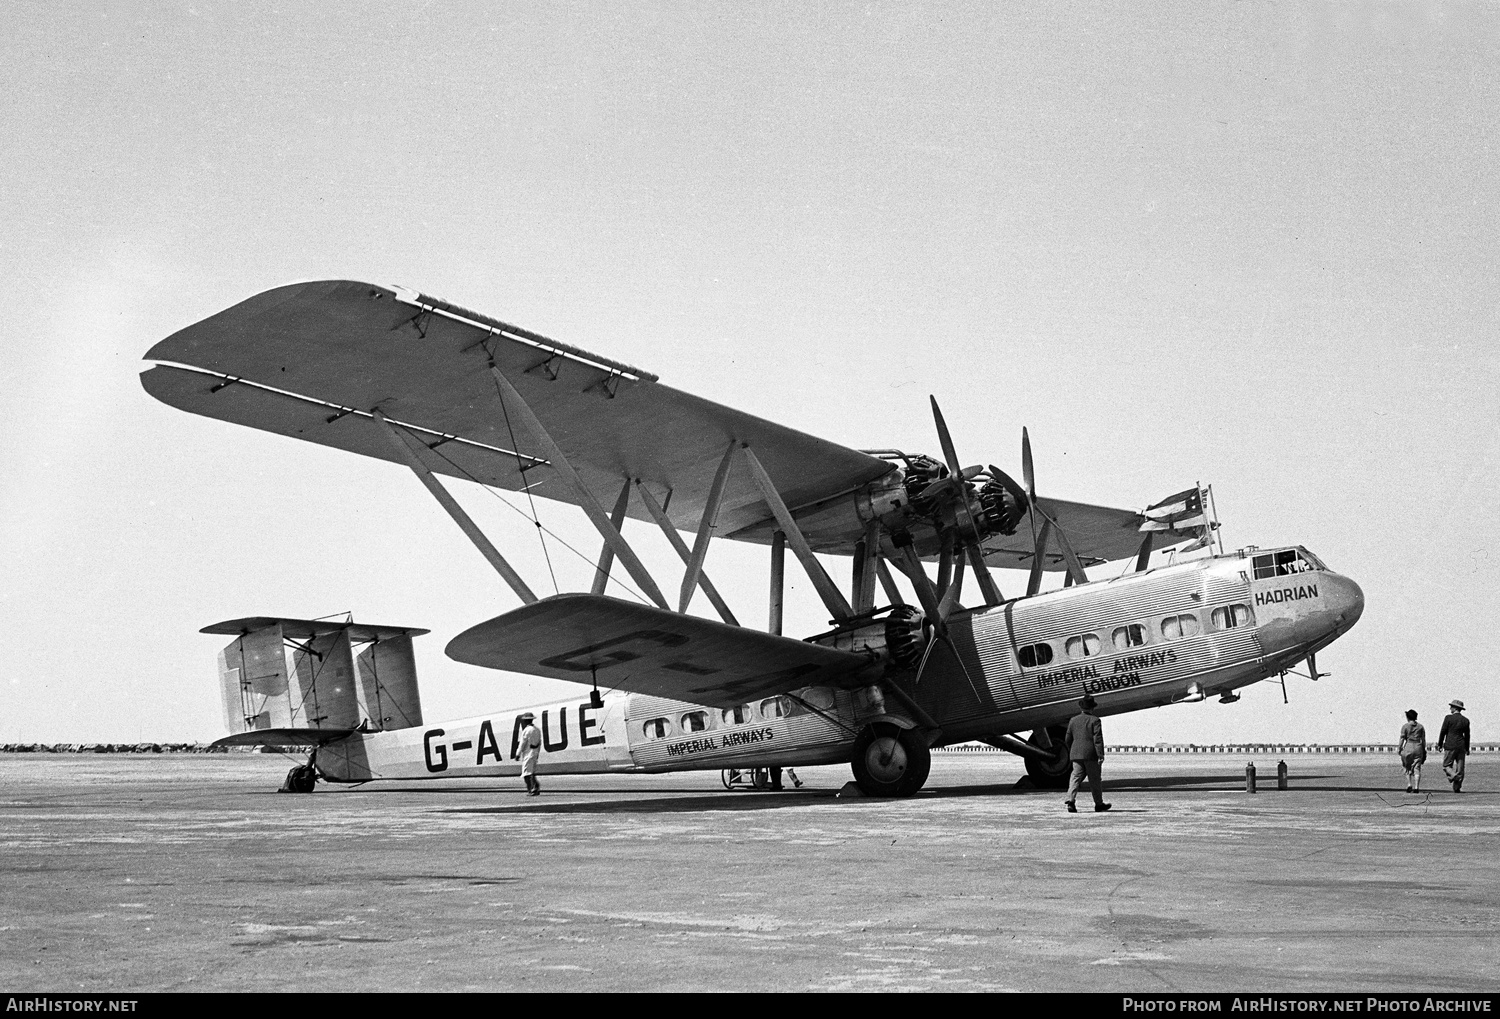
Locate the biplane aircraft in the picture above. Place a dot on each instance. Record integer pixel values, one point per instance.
(408, 378)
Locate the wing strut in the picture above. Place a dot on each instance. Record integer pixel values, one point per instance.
(660, 516)
(827, 590)
(586, 498)
(1143, 557)
(888, 582)
(1038, 555)
(778, 581)
(705, 532)
(462, 519)
(926, 593)
(607, 553)
(992, 595)
(866, 553)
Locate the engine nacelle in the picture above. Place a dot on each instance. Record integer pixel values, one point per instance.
(999, 509)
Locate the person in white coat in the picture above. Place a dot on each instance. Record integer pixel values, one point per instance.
(528, 749)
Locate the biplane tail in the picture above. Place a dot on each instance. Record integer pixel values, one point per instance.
(299, 682)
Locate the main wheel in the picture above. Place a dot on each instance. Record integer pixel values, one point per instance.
(1052, 773)
(300, 779)
(890, 761)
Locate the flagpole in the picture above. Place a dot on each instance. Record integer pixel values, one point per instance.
(1215, 507)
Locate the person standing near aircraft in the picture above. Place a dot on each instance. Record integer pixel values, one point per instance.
(1411, 746)
(1453, 738)
(529, 748)
(1085, 743)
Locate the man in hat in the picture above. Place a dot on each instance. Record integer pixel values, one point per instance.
(528, 749)
(1453, 739)
(1085, 743)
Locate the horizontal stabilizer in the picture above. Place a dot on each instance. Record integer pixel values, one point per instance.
(283, 738)
(307, 629)
(647, 650)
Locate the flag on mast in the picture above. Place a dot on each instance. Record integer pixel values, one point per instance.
(1180, 512)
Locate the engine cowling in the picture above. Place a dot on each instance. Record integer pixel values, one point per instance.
(905, 637)
(1000, 510)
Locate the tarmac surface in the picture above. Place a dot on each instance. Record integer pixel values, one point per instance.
(169, 873)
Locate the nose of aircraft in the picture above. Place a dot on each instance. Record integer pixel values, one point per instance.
(1346, 602)
(1338, 606)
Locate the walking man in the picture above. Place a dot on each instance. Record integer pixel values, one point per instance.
(528, 749)
(1085, 743)
(1453, 738)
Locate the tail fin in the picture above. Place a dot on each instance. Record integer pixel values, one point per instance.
(302, 674)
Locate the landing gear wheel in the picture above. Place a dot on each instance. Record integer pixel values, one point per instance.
(300, 779)
(1052, 773)
(890, 761)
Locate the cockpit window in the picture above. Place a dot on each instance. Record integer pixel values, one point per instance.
(1284, 563)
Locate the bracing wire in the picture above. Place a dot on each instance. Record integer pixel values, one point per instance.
(553, 534)
(520, 469)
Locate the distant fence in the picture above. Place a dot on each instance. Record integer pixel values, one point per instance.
(1235, 748)
(118, 748)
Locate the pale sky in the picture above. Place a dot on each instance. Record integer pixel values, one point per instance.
(1249, 244)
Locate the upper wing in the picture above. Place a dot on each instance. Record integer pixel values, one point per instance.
(311, 360)
(644, 649)
(314, 360)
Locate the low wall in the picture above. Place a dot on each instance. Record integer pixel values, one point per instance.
(1235, 748)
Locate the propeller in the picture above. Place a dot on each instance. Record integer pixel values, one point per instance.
(1049, 524)
(956, 485)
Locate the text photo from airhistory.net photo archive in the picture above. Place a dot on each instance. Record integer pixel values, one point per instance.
(758, 498)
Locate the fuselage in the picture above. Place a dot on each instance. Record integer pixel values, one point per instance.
(1175, 633)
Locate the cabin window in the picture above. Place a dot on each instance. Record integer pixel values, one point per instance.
(773, 707)
(1228, 617)
(694, 721)
(738, 715)
(1033, 655)
(1281, 564)
(1085, 645)
(656, 728)
(1179, 626)
(1128, 636)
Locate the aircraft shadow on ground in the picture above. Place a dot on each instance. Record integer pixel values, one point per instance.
(623, 801)
(634, 803)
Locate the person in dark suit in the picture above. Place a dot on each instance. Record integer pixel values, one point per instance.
(1453, 739)
(1085, 743)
